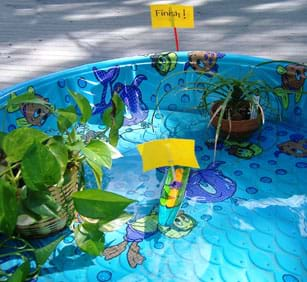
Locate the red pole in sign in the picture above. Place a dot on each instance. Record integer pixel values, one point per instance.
(176, 39)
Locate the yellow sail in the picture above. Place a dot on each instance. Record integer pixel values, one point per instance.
(168, 152)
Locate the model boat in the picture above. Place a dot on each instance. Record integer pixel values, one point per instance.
(179, 156)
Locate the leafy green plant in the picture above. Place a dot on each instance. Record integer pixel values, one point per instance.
(236, 99)
(32, 161)
(225, 97)
(113, 118)
(250, 98)
(32, 259)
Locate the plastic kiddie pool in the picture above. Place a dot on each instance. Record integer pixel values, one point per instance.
(244, 216)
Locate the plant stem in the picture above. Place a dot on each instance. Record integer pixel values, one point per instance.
(280, 61)
(18, 253)
(9, 169)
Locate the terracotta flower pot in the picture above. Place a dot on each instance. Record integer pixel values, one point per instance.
(236, 129)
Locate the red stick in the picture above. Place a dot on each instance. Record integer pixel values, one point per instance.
(176, 39)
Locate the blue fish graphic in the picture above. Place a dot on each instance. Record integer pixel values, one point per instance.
(210, 185)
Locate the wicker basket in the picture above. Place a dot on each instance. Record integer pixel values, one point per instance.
(50, 225)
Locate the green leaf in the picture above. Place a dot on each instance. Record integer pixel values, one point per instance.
(21, 272)
(26, 216)
(97, 170)
(98, 152)
(25, 98)
(66, 118)
(42, 254)
(114, 136)
(18, 141)
(89, 239)
(83, 104)
(113, 118)
(40, 168)
(107, 118)
(42, 204)
(114, 224)
(76, 146)
(115, 154)
(73, 134)
(2, 134)
(100, 204)
(8, 207)
(59, 150)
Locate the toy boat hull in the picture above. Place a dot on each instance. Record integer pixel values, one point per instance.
(172, 195)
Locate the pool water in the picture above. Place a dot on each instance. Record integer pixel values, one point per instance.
(248, 212)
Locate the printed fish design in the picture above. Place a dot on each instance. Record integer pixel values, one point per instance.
(130, 94)
(34, 114)
(292, 79)
(106, 79)
(296, 147)
(201, 181)
(243, 150)
(203, 61)
(132, 97)
(164, 62)
(144, 228)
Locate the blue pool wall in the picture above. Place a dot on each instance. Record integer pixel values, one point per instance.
(151, 85)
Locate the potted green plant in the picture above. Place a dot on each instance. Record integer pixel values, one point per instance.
(234, 104)
(238, 106)
(42, 184)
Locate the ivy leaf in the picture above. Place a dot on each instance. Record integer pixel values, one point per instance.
(115, 115)
(66, 118)
(83, 104)
(73, 134)
(25, 98)
(76, 146)
(40, 168)
(17, 142)
(21, 272)
(107, 118)
(8, 207)
(115, 224)
(98, 152)
(59, 150)
(2, 134)
(89, 239)
(113, 118)
(115, 153)
(41, 204)
(113, 136)
(42, 254)
(100, 204)
(97, 170)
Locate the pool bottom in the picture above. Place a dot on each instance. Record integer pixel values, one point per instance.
(244, 219)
